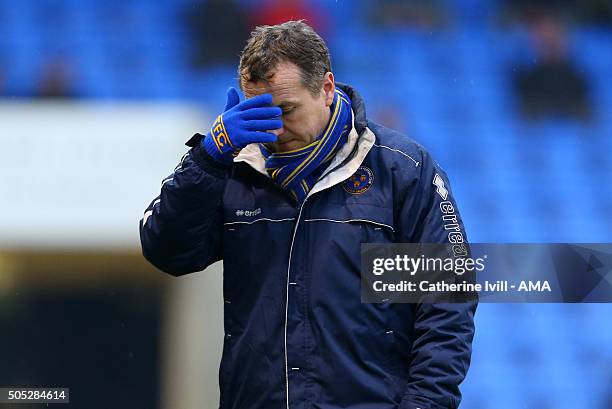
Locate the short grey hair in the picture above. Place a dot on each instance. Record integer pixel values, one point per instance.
(293, 41)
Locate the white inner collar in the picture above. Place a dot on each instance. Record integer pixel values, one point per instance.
(251, 154)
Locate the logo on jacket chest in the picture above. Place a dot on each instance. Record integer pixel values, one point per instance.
(360, 182)
(248, 213)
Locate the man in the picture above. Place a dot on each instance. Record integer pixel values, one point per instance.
(284, 188)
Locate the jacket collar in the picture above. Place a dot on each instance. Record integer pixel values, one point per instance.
(357, 105)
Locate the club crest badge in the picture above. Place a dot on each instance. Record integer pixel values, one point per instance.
(360, 182)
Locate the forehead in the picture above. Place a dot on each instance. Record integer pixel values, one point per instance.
(285, 84)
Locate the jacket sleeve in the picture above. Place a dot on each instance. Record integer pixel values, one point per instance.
(180, 231)
(443, 332)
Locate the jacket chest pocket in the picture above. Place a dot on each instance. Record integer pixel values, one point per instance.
(250, 244)
(353, 223)
(336, 233)
(255, 251)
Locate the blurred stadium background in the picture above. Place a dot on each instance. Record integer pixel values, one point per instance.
(513, 98)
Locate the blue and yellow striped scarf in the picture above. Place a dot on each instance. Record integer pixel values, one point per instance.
(297, 171)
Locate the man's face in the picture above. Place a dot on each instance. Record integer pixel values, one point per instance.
(304, 115)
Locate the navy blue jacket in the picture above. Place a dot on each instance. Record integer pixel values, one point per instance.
(296, 333)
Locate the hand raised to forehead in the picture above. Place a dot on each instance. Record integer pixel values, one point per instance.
(242, 123)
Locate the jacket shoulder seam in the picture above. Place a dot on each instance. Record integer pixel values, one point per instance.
(381, 146)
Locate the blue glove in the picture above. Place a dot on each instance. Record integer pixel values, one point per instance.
(240, 124)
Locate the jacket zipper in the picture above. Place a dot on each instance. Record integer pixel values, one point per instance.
(297, 222)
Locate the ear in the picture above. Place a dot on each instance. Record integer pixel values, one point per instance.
(329, 88)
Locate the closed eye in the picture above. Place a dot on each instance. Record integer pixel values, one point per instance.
(287, 107)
